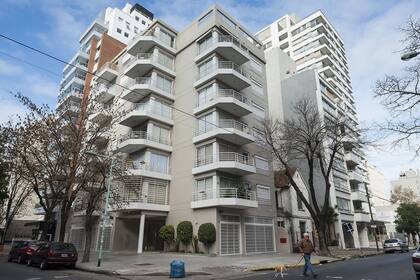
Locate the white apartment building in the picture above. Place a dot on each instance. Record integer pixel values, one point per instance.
(408, 179)
(309, 56)
(190, 114)
(122, 25)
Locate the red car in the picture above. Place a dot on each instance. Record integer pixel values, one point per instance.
(22, 250)
(54, 253)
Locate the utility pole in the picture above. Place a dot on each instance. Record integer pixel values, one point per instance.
(371, 217)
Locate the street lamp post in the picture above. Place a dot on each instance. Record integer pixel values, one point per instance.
(409, 55)
(104, 217)
(372, 222)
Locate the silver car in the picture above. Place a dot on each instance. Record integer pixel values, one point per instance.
(416, 262)
(395, 244)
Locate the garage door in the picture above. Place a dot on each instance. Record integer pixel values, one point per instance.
(230, 235)
(259, 236)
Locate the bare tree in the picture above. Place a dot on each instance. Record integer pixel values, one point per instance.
(400, 94)
(308, 142)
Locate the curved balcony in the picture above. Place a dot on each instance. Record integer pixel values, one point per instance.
(107, 72)
(230, 162)
(226, 46)
(142, 63)
(230, 130)
(104, 93)
(355, 177)
(141, 112)
(143, 86)
(138, 140)
(225, 197)
(227, 72)
(228, 100)
(141, 168)
(351, 159)
(362, 216)
(144, 43)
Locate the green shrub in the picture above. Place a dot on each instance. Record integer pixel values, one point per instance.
(184, 232)
(207, 234)
(167, 233)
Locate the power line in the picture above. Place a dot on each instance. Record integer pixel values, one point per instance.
(93, 74)
(29, 63)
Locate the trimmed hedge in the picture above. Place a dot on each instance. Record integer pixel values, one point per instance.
(207, 234)
(167, 233)
(184, 232)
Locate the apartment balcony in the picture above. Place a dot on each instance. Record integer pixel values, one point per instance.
(140, 87)
(226, 46)
(361, 216)
(355, 177)
(100, 113)
(351, 159)
(141, 168)
(138, 140)
(349, 142)
(228, 73)
(104, 93)
(230, 162)
(142, 63)
(224, 197)
(74, 96)
(229, 101)
(141, 112)
(358, 196)
(146, 42)
(78, 80)
(107, 72)
(229, 130)
(140, 198)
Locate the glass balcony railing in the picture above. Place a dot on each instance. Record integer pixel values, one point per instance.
(224, 193)
(222, 65)
(226, 156)
(153, 107)
(145, 136)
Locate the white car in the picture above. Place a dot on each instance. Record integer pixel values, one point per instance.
(416, 262)
(395, 244)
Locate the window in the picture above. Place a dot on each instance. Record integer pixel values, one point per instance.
(283, 36)
(136, 30)
(120, 19)
(258, 134)
(205, 95)
(258, 87)
(204, 188)
(204, 154)
(205, 68)
(205, 123)
(165, 60)
(258, 110)
(205, 44)
(267, 45)
(255, 63)
(164, 83)
(159, 163)
(343, 204)
(137, 18)
(160, 134)
(261, 163)
(263, 194)
(119, 30)
(126, 34)
(299, 202)
(143, 22)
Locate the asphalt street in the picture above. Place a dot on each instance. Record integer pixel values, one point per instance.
(14, 271)
(396, 266)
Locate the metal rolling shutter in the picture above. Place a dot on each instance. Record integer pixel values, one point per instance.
(230, 235)
(259, 235)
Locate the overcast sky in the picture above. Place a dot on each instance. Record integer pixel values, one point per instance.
(369, 30)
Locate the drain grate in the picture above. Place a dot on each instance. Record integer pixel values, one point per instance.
(143, 264)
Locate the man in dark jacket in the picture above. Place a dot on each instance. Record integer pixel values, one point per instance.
(306, 248)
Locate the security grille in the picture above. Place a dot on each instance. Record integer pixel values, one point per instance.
(77, 237)
(259, 235)
(107, 245)
(230, 235)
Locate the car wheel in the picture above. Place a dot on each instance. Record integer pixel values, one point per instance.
(43, 264)
(418, 276)
(19, 260)
(29, 262)
(9, 258)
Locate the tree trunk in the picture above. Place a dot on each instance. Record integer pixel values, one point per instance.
(88, 240)
(65, 211)
(413, 235)
(46, 225)
(323, 245)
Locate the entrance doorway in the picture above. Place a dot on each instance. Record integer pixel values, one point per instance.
(152, 240)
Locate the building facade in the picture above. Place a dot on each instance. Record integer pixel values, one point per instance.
(189, 109)
(306, 59)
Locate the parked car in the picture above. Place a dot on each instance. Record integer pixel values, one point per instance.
(416, 262)
(22, 250)
(395, 244)
(54, 253)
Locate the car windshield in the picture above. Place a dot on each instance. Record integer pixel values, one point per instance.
(68, 247)
(391, 241)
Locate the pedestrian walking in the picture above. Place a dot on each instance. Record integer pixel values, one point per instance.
(307, 248)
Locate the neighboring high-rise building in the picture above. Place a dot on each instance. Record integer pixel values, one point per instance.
(408, 179)
(306, 59)
(106, 36)
(188, 121)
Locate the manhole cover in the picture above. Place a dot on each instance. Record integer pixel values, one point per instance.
(143, 264)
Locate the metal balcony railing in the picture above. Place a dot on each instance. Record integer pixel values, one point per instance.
(236, 157)
(159, 58)
(225, 123)
(141, 165)
(222, 65)
(153, 107)
(221, 39)
(137, 194)
(224, 193)
(146, 136)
